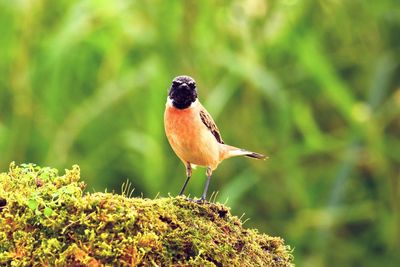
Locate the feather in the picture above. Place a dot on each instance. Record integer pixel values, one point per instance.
(210, 124)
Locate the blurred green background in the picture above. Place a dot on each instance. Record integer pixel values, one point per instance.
(312, 83)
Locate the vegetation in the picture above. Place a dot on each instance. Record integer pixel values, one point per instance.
(45, 219)
(312, 83)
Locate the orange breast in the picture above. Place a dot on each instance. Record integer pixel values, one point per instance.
(190, 138)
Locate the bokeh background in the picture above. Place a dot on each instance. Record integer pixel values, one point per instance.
(312, 83)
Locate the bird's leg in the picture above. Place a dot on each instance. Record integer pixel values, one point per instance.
(209, 173)
(188, 175)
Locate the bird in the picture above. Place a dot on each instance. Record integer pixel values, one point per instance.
(193, 134)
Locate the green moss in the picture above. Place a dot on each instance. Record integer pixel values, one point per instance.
(46, 218)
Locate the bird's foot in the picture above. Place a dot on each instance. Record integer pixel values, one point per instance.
(201, 200)
(185, 197)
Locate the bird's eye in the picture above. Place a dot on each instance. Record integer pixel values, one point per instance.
(191, 84)
(176, 83)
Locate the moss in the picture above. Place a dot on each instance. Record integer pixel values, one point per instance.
(47, 219)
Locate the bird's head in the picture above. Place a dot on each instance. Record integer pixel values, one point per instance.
(182, 92)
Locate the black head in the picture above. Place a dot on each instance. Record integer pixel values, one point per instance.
(183, 92)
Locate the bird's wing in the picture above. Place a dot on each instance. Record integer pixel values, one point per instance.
(210, 124)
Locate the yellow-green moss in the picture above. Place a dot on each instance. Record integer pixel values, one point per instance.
(46, 219)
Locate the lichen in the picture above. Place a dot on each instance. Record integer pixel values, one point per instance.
(48, 219)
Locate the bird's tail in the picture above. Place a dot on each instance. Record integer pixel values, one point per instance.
(255, 155)
(234, 152)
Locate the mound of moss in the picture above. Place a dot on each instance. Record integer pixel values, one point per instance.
(46, 219)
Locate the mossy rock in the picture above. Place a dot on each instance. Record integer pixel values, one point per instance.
(46, 219)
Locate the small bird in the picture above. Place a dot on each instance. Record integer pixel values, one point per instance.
(192, 132)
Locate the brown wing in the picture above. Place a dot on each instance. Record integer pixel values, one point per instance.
(209, 122)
